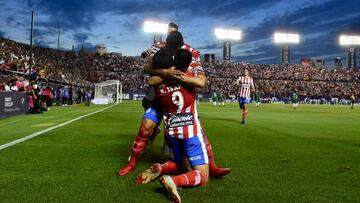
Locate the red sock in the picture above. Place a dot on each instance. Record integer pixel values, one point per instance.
(189, 179)
(168, 168)
(244, 114)
(212, 165)
(138, 145)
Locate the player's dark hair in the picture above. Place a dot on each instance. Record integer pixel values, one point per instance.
(174, 41)
(163, 59)
(173, 25)
(182, 59)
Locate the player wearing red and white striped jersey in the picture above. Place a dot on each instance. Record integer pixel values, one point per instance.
(180, 110)
(246, 84)
(183, 131)
(148, 125)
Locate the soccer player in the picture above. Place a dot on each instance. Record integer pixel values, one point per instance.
(214, 98)
(153, 114)
(257, 98)
(183, 131)
(246, 84)
(221, 98)
(353, 98)
(295, 99)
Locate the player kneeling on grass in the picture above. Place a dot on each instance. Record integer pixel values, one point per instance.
(183, 131)
(154, 113)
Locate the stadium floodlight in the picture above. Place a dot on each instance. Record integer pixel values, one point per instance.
(228, 34)
(349, 40)
(286, 38)
(155, 27)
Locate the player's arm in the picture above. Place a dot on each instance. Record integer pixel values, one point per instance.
(197, 81)
(155, 80)
(170, 73)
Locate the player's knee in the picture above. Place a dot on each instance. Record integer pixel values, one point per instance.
(148, 126)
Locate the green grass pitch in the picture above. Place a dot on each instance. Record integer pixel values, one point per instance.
(311, 154)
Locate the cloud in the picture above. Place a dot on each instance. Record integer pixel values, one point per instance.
(2, 33)
(10, 20)
(81, 38)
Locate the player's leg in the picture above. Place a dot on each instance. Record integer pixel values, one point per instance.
(244, 114)
(214, 170)
(196, 153)
(151, 119)
(168, 167)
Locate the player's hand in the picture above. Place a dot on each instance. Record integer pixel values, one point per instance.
(172, 73)
(181, 76)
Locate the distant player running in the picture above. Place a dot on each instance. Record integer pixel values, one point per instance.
(221, 98)
(295, 99)
(246, 84)
(353, 98)
(215, 98)
(257, 98)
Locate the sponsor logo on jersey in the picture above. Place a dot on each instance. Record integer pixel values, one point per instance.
(181, 119)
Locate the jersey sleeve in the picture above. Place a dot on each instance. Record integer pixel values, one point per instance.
(155, 48)
(197, 69)
(151, 94)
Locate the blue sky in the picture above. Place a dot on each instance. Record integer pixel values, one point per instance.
(118, 24)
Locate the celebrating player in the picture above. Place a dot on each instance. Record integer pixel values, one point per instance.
(183, 131)
(246, 86)
(153, 114)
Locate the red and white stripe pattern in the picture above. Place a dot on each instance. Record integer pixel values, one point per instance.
(246, 84)
(155, 48)
(188, 131)
(195, 65)
(194, 52)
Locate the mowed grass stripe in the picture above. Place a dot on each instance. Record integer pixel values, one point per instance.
(31, 136)
(273, 159)
(32, 123)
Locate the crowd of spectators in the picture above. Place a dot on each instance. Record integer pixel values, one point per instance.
(48, 64)
(270, 80)
(84, 69)
(51, 79)
(280, 81)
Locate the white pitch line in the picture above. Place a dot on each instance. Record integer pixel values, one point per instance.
(28, 137)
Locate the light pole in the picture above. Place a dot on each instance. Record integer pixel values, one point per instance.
(351, 41)
(285, 39)
(227, 36)
(156, 28)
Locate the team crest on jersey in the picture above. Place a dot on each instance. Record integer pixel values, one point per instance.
(181, 119)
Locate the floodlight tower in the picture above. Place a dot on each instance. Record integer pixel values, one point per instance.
(227, 36)
(285, 39)
(352, 41)
(156, 28)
